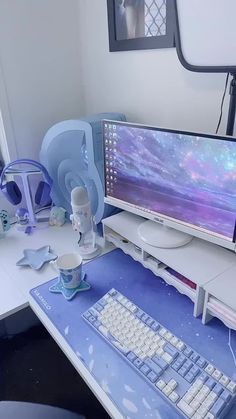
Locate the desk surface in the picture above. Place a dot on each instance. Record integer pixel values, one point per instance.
(119, 388)
(18, 281)
(11, 299)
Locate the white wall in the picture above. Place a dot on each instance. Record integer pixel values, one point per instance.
(148, 86)
(55, 64)
(39, 69)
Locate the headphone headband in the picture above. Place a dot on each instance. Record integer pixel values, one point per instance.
(26, 161)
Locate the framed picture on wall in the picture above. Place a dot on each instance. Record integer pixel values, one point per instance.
(140, 24)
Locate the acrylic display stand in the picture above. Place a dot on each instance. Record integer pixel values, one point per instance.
(198, 261)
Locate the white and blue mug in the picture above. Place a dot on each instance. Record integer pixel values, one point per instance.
(69, 267)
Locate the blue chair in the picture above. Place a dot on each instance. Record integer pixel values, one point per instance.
(23, 410)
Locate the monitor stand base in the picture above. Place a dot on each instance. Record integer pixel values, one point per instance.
(157, 235)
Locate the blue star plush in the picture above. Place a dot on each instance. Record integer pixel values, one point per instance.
(36, 258)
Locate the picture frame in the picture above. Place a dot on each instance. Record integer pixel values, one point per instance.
(155, 31)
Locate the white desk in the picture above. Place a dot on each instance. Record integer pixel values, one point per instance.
(61, 240)
(18, 281)
(11, 299)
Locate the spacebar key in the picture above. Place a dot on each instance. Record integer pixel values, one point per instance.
(188, 410)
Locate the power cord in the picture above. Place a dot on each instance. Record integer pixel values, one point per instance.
(222, 103)
(231, 349)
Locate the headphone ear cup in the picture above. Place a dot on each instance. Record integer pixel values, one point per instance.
(13, 193)
(42, 195)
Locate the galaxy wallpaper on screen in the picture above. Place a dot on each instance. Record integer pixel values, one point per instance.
(185, 177)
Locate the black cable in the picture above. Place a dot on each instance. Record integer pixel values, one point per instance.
(222, 103)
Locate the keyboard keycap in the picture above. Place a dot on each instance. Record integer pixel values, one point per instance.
(186, 409)
(203, 377)
(149, 321)
(167, 358)
(201, 362)
(180, 346)
(160, 384)
(155, 326)
(187, 352)
(174, 341)
(131, 356)
(174, 397)
(172, 384)
(194, 370)
(226, 396)
(159, 361)
(154, 367)
(162, 332)
(217, 375)
(194, 357)
(210, 383)
(138, 363)
(171, 350)
(209, 369)
(176, 366)
(218, 407)
(189, 377)
(224, 380)
(167, 390)
(98, 307)
(209, 416)
(145, 369)
(168, 336)
(92, 319)
(145, 317)
(218, 389)
(231, 387)
(152, 376)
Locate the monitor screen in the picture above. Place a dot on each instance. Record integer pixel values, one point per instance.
(183, 177)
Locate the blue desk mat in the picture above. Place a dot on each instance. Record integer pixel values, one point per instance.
(134, 398)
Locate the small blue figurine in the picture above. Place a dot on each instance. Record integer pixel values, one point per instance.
(22, 216)
(57, 216)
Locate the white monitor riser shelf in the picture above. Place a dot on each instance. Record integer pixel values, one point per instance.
(199, 261)
(221, 291)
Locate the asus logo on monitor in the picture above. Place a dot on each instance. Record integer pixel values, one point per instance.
(159, 220)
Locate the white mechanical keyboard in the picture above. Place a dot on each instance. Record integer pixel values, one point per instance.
(192, 385)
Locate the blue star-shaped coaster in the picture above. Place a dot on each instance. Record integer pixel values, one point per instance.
(36, 258)
(69, 293)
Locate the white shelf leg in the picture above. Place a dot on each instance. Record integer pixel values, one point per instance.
(206, 317)
(199, 302)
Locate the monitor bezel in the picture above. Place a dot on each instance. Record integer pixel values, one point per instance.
(159, 217)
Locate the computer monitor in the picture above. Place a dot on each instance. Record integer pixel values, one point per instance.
(184, 183)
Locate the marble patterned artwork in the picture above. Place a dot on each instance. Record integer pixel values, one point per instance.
(132, 395)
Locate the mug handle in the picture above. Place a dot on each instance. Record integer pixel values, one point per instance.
(53, 264)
